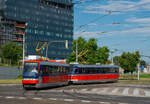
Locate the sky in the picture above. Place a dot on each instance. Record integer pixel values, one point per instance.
(118, 24)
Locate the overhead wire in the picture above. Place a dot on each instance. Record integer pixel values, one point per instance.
(109, 13)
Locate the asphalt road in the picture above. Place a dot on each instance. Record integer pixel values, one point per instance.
(76, 94)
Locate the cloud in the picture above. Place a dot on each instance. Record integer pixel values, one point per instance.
(88, 35)
(145, 22)
(116, 6)
(139, 20)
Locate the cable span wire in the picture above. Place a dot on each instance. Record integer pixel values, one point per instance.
(109, 13)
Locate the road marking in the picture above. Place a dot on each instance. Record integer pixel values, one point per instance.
(83, 90)
(37, 98)
(115, 90)
(123, 103)
(147, 93)
(136, 92)
(9, 97)
(68, 100)
(104, 103)
(103, 90)
(125, 92)
(21, 98)
(85, 101)
(0, 96)
(52, 98)
(51, 91)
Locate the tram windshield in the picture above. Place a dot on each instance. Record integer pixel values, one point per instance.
(30, 69)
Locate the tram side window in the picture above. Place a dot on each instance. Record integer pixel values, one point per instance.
(110, 70)
(52, 69)
(116, 70)
(80, 71)
(105, 70)
(44, 69)
(99, 70)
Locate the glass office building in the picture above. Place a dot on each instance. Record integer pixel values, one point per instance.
(38, 21)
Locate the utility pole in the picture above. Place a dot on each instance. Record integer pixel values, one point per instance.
(76, 51)
(24, 46)
(138, 67)
(77, 47)
(112, 60)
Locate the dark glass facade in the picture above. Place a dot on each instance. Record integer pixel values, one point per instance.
(38, 20)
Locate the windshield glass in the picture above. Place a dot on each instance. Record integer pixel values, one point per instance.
(30, 69)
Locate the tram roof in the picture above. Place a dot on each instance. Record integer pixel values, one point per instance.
(95, 66)
(54, 64)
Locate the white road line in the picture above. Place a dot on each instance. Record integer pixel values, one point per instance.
(83, 90)
(104, 103)
(52, 91)
(125, 91)
(68, 100)
(123, 103)
(85, 101)
(115, 90)
(147, 93)
(52, 98)
(37, 98)
(104, 90)
(0, 96)
(21, 98)
(9, 97)
(136, 92)
(95, 89)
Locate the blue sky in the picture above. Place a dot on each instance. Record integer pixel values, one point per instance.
(118, 24)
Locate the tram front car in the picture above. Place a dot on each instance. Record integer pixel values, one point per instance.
(30, 75)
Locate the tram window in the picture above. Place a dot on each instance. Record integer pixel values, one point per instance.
(87, 71)
(116, 70)
(80, 71)
(99, 70)
(94, 70)
(76, 71)
(104, 70)
(83, 70)
(45, 71)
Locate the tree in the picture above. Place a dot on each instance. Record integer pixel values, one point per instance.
(12, 51)
(116, 60)
(91, 46)
(143, 63)
(102, 55)
(128, 61)
(88, 52)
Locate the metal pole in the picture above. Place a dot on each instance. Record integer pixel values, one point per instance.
(138, 67)
(76, 51)
(112, 60)
(47, 50)
(23, 50)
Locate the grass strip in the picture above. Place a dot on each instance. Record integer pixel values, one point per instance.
(12, 81)
(137, 82)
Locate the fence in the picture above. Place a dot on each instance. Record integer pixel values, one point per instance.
(9, 73)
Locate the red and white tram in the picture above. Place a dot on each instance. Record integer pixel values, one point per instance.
(94, 73)
(40, 74)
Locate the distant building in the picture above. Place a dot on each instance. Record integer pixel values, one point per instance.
(148, 68)
(38, 20)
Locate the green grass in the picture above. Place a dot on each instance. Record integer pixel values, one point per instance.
(135, 82)
(134, 77)
(12, 81)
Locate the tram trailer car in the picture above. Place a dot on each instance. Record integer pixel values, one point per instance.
(40, 74)
(94, 73)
